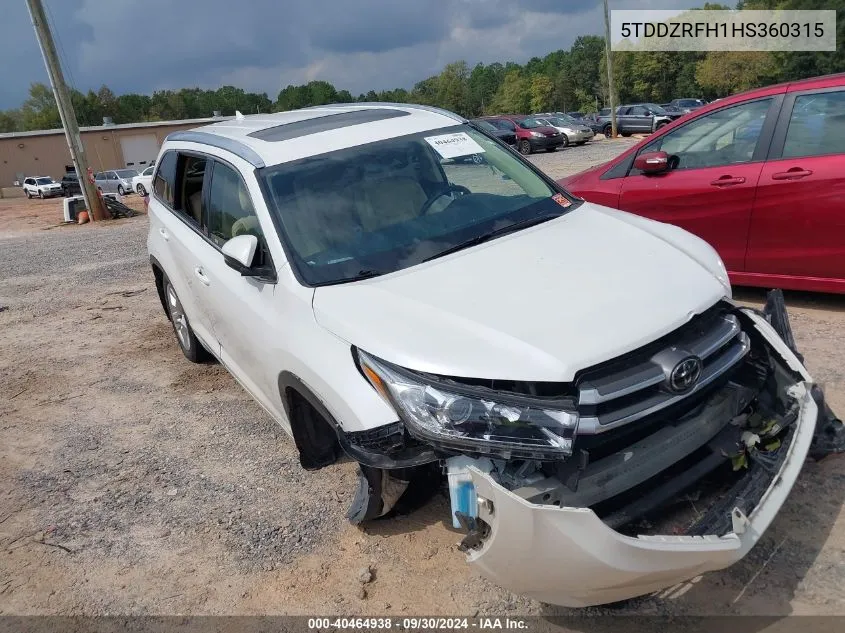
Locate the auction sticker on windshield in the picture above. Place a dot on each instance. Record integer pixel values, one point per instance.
(454, 145)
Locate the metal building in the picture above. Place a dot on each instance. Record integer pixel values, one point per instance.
(108, 146)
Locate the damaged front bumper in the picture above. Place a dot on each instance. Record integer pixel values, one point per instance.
(570, 556)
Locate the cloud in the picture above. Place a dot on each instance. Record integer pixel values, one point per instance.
(263, 45)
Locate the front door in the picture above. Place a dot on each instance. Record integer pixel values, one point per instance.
(242, 310)
(798, 224)
(714, 164)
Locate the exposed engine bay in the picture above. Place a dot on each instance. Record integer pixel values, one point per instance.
(692, 464)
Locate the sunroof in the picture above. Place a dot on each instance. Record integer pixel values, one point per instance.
(288, 131)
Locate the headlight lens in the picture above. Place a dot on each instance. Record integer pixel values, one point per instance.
(506, 425)
(537, 134)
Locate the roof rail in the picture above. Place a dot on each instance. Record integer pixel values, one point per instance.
(222, 142)
(411, 106)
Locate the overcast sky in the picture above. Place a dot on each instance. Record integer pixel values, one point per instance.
(264, 45)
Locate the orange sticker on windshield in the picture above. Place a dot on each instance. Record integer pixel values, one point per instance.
(562, 200)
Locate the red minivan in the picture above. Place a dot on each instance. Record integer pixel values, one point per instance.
(760, 175)
(531, 135)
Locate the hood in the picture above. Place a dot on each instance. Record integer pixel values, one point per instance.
(537, 305)
(545, 129)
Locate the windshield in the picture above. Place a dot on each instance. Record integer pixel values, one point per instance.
(43, 181)
(656, 109)
(388, 205)
(563, 121)
(486, 126)
(127, 173)
(530, 123)
(688, 103)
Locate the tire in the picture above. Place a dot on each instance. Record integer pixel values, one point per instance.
(140, 189)
(660, 125)
(524, 147)
(185, 337)
(580, 142)
(565, 141)
(608, 131)
(28, 195)
(40, 194)
(121, 191)
(626, 134)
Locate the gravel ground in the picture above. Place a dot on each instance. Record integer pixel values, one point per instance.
(132, 482)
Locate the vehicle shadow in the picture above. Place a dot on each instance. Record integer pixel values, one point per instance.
(794, 299)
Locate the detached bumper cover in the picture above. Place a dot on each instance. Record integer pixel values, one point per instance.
(568, 556)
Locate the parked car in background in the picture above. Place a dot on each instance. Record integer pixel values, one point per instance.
(638, 118)
(759, 175)
(531, 135)
(116, 181)
(506, 134)
(577, 373)
(142, 183)
(686, 105)
(70, 185)
(592, 122)
(575, 115)
(572, 131)
(41, 187)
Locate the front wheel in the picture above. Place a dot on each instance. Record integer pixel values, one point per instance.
(524, 147)
(28, 195)
(608, 131)
(141, 191)
(660, 125)
(188, 342)
(121, 191)
(40, 194)
(565, 140)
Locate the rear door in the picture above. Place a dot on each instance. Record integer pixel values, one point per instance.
(176, 227)
(715, 163)
(798, 224)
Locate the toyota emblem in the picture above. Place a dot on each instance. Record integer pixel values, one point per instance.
(685, 374)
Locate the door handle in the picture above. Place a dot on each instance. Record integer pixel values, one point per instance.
(727, 181)
(201, 276)
(792, 174)
(164, 234)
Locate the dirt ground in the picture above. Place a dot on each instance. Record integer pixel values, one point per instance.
(133, 482)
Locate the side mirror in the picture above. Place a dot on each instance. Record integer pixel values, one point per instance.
(652, 162)
(239, 253)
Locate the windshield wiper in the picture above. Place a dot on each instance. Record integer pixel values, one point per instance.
(485, 237)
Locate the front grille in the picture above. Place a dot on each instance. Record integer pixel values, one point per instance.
(619, 393)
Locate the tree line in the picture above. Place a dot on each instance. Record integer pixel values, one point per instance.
(563, 80)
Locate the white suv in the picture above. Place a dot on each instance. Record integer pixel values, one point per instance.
(42, 187)
(572, 369)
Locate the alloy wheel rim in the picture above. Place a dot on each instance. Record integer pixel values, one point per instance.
(177, 316)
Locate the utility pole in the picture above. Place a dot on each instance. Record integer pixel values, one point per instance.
(66, 112)
(610, 86)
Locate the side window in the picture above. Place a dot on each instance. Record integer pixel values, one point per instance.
(230, 210)
(507, 124)
(112, 175)
(165, 179)
(190, 176)
(816, 126)
(724, 137)
(638, 110)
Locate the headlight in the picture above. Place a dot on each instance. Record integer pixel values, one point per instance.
(537, 134)
(474, 419)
